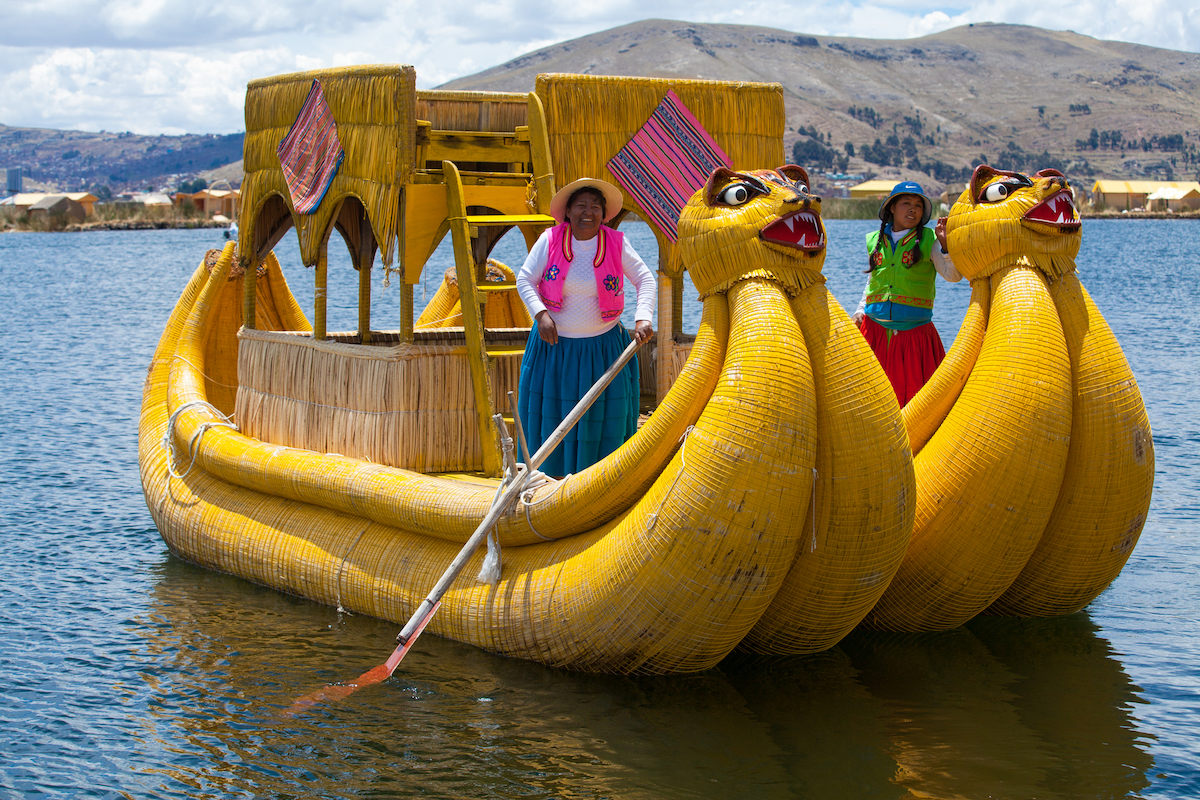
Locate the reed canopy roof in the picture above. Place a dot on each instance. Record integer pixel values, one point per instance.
(374, 107)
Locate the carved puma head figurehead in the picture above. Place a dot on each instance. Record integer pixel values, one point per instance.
(1004, 218)
(758, 222)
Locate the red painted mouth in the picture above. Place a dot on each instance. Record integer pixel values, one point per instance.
(800, 229)
(1057, 209)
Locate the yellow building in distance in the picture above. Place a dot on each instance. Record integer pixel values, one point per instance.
(1132, 195)
(874, 189)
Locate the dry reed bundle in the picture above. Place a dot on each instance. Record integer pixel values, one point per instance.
(1049, 428)
(1104, 497)
(858, 525)
(1014, 412)
(591, 117)
(861, 518)
(443, 309)
(374, 110)
(929, 407)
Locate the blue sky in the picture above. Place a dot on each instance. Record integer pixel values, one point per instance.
(166, 66)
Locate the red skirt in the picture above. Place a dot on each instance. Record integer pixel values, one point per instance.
(908, 357)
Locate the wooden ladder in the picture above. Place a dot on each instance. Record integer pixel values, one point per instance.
(465, 228)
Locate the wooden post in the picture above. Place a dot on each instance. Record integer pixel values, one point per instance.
(364, 295)
(539, 152)
(319, 293)
(406, 311)
(670, 312)
(665, 344)
(249, 288)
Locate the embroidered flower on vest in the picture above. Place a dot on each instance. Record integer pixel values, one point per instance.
(909, 257)
(610, 282)
(876, 259)
(552, 273)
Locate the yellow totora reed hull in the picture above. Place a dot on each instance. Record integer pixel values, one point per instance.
(671, 581)
(1033, 452)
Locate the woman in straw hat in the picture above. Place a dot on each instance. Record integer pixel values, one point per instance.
(896, 311)
(573, 283)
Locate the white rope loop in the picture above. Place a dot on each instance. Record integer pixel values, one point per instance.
(168, 440)
(539, 479)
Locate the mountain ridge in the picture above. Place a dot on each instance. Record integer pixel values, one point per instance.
(1017, 97)
(962, 94)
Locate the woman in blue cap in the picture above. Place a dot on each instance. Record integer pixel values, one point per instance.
(896, 311)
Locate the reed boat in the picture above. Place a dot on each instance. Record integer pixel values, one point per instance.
(767, 504)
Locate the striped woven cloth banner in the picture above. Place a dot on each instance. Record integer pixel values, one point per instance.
(310, 154)
(664, 164)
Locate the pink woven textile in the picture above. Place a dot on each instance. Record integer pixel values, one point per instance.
(310, 154)
(666, 161)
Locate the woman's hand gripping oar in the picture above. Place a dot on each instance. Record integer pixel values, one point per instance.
(429, 606)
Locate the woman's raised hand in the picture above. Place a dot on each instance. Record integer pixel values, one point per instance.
(939, 231)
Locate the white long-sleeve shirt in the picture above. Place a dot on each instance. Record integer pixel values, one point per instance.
(941, 262)
(579, 316)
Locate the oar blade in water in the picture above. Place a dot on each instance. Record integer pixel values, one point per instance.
(379, 674)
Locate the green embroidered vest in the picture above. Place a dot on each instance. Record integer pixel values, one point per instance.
(904, 274)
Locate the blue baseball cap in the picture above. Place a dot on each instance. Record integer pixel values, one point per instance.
(903, 188)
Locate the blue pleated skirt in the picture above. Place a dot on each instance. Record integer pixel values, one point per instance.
(555, 377)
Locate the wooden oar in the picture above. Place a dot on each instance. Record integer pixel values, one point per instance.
(429, 606)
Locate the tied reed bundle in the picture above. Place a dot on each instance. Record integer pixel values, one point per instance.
(502, 310)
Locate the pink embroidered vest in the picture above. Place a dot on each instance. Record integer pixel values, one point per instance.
(610, 280)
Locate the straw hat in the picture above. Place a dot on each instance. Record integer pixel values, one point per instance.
(613, 199)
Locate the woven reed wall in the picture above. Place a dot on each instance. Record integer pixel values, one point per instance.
(473, 111)
(404, 405)
(374, 109)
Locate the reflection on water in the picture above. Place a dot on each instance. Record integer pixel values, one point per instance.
(1004, 708)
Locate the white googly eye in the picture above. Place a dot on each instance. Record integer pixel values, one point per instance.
(995, 192)
(800, 187)
(734, 195)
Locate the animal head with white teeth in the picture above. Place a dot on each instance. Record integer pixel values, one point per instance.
(758, 223)
(1005, 218)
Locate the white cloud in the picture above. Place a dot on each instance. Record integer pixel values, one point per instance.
(162, 66)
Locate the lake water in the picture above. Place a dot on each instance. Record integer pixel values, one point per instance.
(130, 673)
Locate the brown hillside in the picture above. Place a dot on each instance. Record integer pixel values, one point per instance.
(77, 160)
(973, 89)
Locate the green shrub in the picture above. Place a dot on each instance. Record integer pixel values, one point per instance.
(849, 208)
